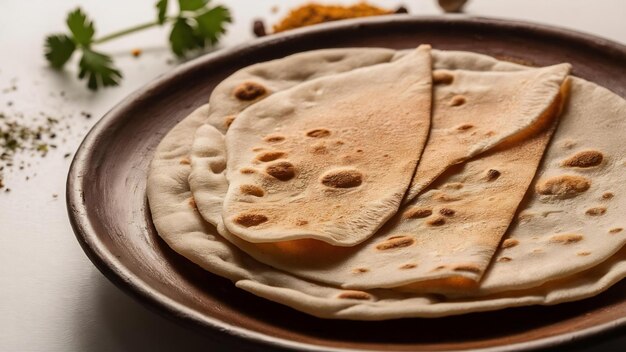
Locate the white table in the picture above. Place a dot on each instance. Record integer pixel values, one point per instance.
(51, 297)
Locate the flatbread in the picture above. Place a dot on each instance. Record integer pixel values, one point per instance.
(261, 80)
(181, 226)
(351, 141)
(331, 303)
(444, 234)
(576, 211)
(530, 250)
(482, 109)
(446, 136)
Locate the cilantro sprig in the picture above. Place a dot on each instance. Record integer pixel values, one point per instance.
(195, 26)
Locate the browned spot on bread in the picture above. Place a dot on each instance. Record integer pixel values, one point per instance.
(282, 170)
(250, 219)
(270, 156)
(444, 197)
(587, 158)
(438, 221)
(504, 259)
(247, 170)
(318, 133)
(228, 120)
(347, 158)
(249, 91)
(395, 242)
(441, 77)
(408, 266)
(608, 195)
(440, 267)
(360, 270)
(493, 174)
(447, 212)
(566, 238)
(252, 190)
(537, 250)
(457, 100)
(360, 295)
(346, 178)
(192, 203)
(274, 138)
(616, 230)
(510, 243)
(596, 211)
(490, 133)
(257, 149)
(465, 127)
(301, 222)
(468, 268)
(185, 161)
(563, 186)
(583, 254)
(417, 213)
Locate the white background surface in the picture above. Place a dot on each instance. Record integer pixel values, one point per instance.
(51, 297)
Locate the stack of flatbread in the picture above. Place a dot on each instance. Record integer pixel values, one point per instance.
(372, 184)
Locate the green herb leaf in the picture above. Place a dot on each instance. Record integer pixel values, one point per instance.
(183, 38)
(98, 69)
(211, 23)
(161, 6)
(82, 29)
(59, 49)
(191, 5)
(196, 25)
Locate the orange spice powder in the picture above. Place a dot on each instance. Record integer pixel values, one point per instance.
(310, 14)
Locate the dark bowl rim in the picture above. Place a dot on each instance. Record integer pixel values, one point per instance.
(124, 279)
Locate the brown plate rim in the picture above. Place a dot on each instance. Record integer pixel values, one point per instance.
(122, 277)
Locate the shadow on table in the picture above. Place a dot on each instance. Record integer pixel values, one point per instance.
(122, 324)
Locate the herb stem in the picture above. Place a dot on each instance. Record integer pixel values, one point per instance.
(124, 32)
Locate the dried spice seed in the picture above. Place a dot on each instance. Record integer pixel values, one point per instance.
(17, 137)
(401, 9)
(258, 28)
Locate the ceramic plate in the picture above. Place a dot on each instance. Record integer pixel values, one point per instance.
(108, 210)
